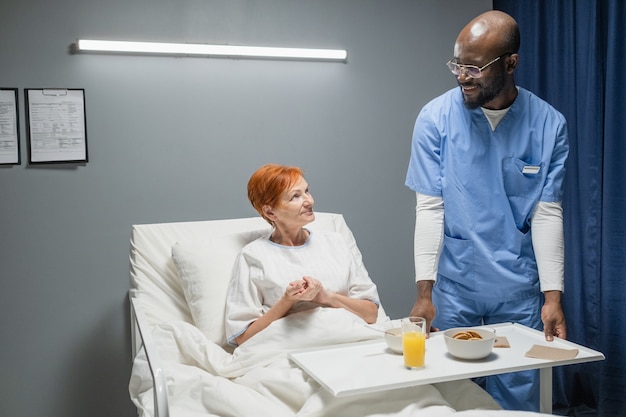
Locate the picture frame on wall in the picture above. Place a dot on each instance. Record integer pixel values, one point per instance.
(56, 125)
(9, 127)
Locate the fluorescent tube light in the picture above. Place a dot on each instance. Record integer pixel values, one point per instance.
(211, 50)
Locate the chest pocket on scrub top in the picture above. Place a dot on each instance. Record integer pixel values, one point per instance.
(522, 189)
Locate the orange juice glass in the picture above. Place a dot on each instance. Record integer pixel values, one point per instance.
(414, 342)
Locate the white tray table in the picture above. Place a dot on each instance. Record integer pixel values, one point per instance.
(369, 366)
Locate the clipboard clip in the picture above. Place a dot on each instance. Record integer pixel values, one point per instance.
(54, 92)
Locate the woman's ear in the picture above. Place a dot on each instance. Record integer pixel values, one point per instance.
(268, 212)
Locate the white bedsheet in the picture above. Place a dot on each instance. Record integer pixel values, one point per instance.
(258, 379)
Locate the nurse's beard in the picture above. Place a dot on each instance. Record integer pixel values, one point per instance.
(487, 93)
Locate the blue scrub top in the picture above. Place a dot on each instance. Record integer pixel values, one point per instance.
(490, 182)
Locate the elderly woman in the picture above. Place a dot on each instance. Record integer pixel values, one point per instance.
(292, 269)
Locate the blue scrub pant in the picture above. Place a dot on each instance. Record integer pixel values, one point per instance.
(513, 391)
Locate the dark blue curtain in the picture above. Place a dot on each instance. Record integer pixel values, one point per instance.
(573, 55)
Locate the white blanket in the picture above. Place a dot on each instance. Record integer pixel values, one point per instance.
(258, 379)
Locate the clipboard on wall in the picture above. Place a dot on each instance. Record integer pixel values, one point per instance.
(9, 127)
(56, 125)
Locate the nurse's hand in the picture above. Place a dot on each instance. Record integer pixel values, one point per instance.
(553, 317)
(424, 306)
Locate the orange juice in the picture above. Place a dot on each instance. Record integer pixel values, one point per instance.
(414, 349)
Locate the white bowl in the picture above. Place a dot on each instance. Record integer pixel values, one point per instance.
(393, 337)
(469, 349)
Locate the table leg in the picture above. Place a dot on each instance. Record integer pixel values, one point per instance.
(545, 386)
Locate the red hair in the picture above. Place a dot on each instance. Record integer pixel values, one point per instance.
(267, 184)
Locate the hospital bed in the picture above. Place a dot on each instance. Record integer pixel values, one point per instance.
(179, 274)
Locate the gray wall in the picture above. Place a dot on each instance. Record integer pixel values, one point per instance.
(175, 139)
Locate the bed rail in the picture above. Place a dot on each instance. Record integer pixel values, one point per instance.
(141, 337)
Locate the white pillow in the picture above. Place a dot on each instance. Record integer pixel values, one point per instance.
(205, 269)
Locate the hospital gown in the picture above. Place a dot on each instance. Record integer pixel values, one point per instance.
(263, 270)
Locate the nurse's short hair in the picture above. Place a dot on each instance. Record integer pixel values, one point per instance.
(267, 184)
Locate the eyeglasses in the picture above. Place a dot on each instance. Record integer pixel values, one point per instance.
(472, 70)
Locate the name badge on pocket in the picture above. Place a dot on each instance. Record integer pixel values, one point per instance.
(530, 169)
